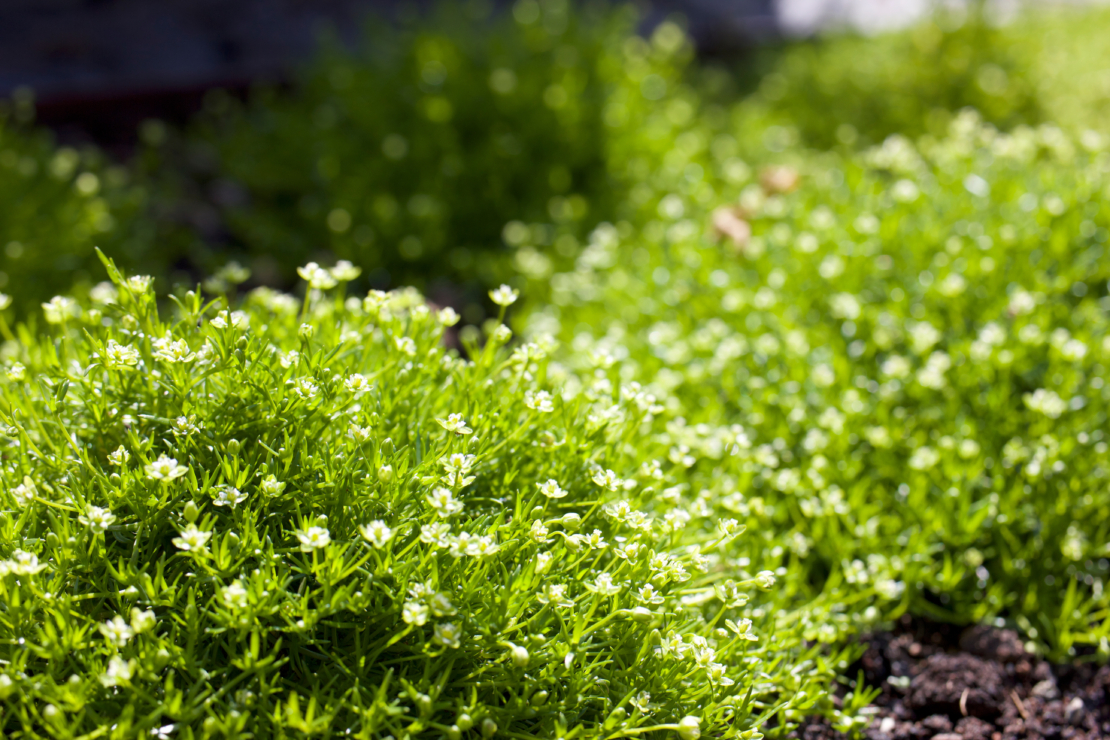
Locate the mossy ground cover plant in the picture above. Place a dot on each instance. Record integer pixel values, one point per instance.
(304, 517)
(782, 395)
(893, 360)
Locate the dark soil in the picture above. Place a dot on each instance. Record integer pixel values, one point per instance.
(944, 683)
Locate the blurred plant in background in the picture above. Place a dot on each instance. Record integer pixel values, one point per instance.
(411, 152)
(56, 205)
(858, 90)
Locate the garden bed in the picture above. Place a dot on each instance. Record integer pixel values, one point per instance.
(940, 681)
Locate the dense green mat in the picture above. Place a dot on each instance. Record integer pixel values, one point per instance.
(307, 518)
(56, 205)
(791, 362)
(899, 375)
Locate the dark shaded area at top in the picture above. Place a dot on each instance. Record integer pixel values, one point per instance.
(99, 67)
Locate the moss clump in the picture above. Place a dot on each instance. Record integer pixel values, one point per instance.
(897, 357)
(307, 517)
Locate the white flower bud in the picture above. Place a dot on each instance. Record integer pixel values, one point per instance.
(689, 728)
(520, 656)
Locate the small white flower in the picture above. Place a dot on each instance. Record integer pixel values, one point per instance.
(229, 496)
(377, 533)
(25, 493)
(437, 534)
(117, 631)
(139, 284)
(539, 401)
(457, 467)
(1022, 302)
(649, 595)
(923, 458)
(544, 561)
(345, 272)
(1046, 402)
(119, 457)
(118, 673)
(441, 606)
(142, 621)
(455, 423)
(641, 702)
(765, 579)
(504, 296)
(444, 502)
(539, 531)
(968, 449)
(165, 469)
(317, 277)
(595, 540)
(22, 564)
(448, 635)
(551, 489)
(234, 595)
(97, 519)
(482, 547)
(234, 319)
(1073, 350)
(603, 584)
(356, 383)
(289, 359)
(118, 355)
(716, 674)
(923, 336)
(271, 486)
(555, 594)
(60, 308)
(104, 293)
(183, 426)
(192, 539)
(305, 388)
(313, 538)
(17, 372)
(167, 350)
(405, 346)
(608, 480)
(414, 613)
(743, 629)
(362, 435)
(448, 316)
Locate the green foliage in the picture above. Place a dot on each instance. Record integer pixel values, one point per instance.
(776, 397)
(56, 205)
(848, 89)
(305, 517)
(900, 372)
(410, 153)
(1043, 66)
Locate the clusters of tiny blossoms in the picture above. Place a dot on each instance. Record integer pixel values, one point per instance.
(232, 495)
(910, 399)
